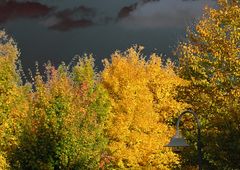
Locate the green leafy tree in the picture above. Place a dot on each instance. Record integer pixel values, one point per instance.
(65, 125)
(210, 61)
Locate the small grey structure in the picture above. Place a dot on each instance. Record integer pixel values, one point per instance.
(178, 141)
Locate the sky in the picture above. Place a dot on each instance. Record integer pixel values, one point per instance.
(58, 30)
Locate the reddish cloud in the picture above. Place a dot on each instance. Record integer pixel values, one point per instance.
(68, 19)
(67, 24)
(12, 10)
(81, 11)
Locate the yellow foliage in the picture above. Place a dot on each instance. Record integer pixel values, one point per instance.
(3, 163)
(210, 60)
(13, 98)
(142, 97)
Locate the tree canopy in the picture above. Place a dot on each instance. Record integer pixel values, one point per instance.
(210, 61)
(142, 98)
(121, 118)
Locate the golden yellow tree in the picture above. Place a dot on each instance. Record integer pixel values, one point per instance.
(210, 60)
(142, 97)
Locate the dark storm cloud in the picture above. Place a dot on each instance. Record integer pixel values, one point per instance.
(66, 24)
(79, 17)
(126, 11)
(81, 11)
(12, 10)
(68, 19)
(142, 14)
